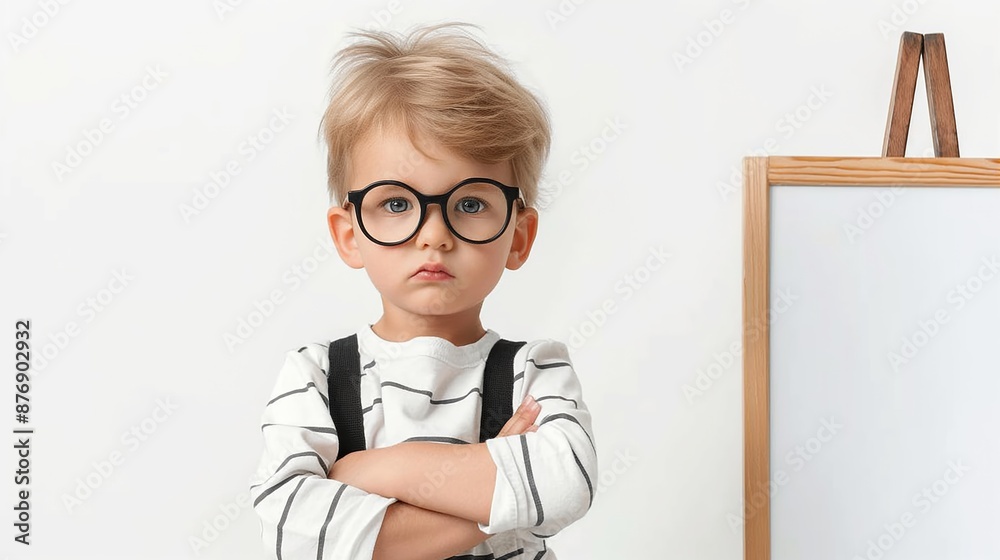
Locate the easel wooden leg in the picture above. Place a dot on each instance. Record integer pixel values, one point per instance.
(938, 81)
(904, 84)
(914, 47)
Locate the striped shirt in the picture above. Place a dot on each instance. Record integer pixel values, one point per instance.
(423, 389)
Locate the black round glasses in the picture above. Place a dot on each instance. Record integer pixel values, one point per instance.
(477, 210)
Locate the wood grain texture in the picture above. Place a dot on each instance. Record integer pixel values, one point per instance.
(756, 427)
(942, 107)
(874, 171)
(904, 85)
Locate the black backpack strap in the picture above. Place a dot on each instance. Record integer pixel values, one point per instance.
(498, 388)
(344, 391)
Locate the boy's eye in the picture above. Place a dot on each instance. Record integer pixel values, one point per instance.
(471, 205)
(396, 205)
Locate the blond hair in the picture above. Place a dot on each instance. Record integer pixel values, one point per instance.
(441, 82)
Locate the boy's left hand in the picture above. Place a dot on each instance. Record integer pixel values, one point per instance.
(522, 421)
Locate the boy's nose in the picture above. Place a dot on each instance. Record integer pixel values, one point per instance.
(434, 232)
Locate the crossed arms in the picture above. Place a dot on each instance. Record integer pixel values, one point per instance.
(432, 499)
(443, 491)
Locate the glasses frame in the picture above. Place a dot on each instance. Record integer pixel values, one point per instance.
(511, 193)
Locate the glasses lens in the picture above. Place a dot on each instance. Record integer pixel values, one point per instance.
(390, 213)
(477, 211)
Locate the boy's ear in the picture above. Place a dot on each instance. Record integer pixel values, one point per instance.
(525, 229)
(342, 232)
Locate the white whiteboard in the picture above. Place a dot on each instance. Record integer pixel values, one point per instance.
(870, 456)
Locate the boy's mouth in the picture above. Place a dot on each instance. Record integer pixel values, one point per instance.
(432, 271)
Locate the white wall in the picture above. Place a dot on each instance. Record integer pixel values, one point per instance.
(659, 185)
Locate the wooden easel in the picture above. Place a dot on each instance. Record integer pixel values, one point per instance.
(912, 48)
(761, 174)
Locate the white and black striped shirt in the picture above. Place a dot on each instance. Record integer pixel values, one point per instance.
(425, 389)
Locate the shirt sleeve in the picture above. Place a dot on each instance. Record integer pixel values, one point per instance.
(545, 479)
(302, 513)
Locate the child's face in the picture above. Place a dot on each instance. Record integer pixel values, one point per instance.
(409, 297)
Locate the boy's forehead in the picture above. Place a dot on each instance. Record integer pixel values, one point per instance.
(429, 167)
(391, 151)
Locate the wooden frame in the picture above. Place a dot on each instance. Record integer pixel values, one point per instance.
(760, 174)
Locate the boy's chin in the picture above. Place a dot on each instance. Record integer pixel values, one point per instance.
(433, 308)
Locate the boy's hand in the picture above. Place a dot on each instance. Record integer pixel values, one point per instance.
(523, 419)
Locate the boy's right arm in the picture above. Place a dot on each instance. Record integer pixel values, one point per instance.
(413, 533)
(302, 513)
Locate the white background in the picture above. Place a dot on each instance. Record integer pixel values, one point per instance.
(659, 185)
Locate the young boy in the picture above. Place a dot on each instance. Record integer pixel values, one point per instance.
(435, 153)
